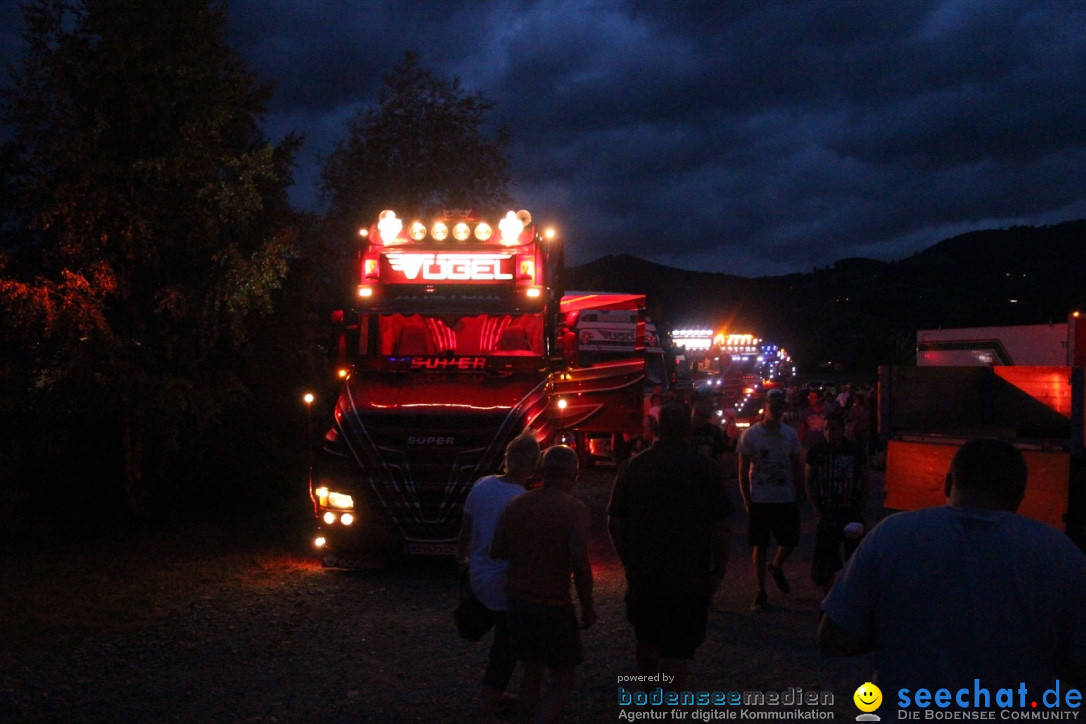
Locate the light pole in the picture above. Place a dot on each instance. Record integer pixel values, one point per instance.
(308, 399)
(562, 437)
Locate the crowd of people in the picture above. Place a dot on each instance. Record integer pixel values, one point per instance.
(942, 597)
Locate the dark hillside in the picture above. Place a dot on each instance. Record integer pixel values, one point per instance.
(860, 313)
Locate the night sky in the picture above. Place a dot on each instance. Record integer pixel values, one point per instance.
(751, 138)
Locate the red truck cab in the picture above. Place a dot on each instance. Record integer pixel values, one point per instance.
(454, 348)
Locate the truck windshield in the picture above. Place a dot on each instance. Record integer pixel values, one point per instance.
(417, 335)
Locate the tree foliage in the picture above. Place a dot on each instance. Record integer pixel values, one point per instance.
(421, 149)
(145, 223)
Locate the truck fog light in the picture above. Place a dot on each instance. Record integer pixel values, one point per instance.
(329, 517)
(319, 541)
(346, 519)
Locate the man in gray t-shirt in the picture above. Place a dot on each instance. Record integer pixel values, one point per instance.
(769, 475)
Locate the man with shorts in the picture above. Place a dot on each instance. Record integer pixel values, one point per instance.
(668, 520)
(769, 473)
(482, 509)
(544, 536)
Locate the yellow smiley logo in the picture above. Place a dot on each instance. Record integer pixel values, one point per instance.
(868, 697)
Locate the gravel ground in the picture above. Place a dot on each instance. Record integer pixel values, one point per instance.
(237, 626)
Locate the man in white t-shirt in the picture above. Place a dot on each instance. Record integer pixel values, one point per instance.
(769, 472)
(969, 597)
(482, 509)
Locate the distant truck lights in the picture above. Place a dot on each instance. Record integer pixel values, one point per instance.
(741, 347)
(700, 340)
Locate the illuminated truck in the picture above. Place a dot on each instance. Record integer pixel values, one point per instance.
(456, 346)
(613, 326)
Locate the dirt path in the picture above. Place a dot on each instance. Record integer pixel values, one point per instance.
(238, 627)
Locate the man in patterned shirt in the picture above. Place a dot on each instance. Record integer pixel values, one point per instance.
(837, 481)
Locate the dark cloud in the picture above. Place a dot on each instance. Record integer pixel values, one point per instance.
(12, 28)
(755, 137)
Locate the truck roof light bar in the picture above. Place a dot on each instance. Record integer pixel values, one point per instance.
(510, 232)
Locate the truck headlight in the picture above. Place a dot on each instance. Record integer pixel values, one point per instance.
(330, 499)
(341, 501)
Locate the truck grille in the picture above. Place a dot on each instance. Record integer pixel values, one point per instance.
(422, 467)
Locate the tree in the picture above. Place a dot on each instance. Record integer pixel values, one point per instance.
(420, 150)
(152, 226)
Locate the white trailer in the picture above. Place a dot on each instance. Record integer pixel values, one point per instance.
(1028, 344)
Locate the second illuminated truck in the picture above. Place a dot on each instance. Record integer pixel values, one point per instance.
(457, 345)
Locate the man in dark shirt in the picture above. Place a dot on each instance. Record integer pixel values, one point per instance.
(668, 520)
(837, 481)
(706, 435)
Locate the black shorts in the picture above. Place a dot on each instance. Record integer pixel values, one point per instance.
(780, 519)
(831, 547)
(549, 634)
(669, 616)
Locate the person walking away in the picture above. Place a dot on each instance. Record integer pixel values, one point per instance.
(484, 505)
(705, 434)
(769, 473)
(544, 536)
(651, 424)
(969, 595)
(730, 426)
(844, 397)
(812, 419)
(837, 480)
(858, 422)
(668, 520)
